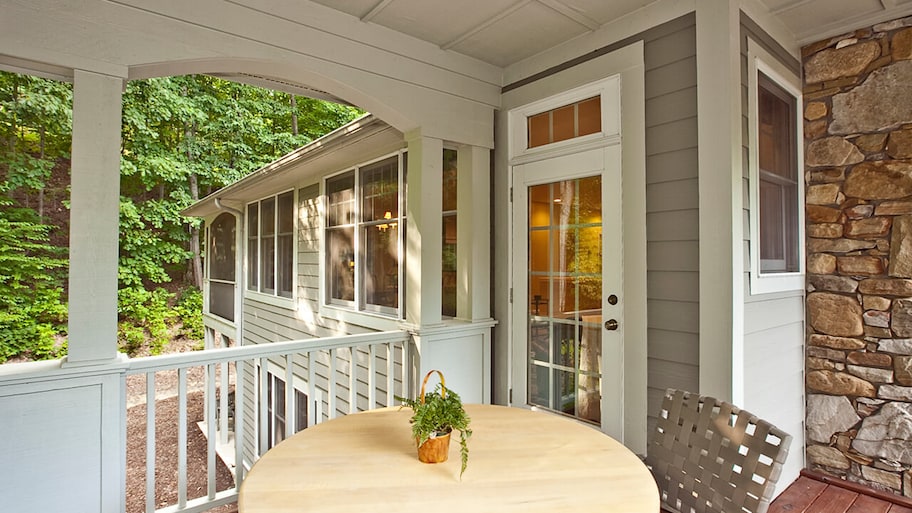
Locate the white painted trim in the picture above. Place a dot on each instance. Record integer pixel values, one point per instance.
(720, 190)
(759, 60)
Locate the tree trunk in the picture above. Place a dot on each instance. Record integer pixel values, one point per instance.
(196, 269)
(44, 181)
(197, 262)
(294, 116)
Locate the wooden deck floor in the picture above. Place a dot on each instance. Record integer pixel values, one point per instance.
(817, 493)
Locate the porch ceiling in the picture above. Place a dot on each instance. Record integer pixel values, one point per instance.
(504, 32)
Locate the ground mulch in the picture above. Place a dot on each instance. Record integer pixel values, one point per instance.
(166, 416)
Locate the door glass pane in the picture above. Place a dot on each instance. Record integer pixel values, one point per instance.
(565, 296)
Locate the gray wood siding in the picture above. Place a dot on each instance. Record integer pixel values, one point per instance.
(774, 330)
(672, 215)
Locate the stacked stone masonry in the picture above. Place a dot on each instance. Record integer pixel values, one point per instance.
(858, 172)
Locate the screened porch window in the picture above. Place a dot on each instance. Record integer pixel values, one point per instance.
(220, 257)
(270, 245)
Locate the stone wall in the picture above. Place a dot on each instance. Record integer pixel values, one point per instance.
(858, 165)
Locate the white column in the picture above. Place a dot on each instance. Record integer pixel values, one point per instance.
(719, 138)
(424, 235)
(473, 233)
(94, 218)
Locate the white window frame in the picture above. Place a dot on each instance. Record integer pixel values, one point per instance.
(609, 91)
(761, 61)
(337, 309)
(259, 295)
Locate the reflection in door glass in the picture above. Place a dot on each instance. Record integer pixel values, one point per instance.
(565, 289)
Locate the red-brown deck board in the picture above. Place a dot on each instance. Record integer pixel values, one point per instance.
(817, 493)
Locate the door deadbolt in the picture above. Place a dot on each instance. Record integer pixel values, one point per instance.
(612, 299)
(611, 325)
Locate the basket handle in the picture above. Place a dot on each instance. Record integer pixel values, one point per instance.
(442, 384)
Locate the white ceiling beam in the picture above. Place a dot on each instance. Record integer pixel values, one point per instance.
(571, 13)
(376, 10)
(490, 21)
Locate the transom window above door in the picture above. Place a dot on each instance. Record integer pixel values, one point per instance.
(589, 114)
(566, 122)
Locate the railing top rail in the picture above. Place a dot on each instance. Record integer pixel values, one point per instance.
(230, 354)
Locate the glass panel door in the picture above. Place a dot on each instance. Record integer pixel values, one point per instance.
(564, 296)
(567, 330)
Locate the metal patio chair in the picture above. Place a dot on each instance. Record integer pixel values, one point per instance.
(710, 456)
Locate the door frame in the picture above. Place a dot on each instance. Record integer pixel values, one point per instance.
(626, 68)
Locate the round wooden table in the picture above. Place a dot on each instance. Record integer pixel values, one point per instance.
(519, 460)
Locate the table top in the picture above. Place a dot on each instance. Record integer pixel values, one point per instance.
(519, 460)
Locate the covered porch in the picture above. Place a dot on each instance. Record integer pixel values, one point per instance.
(448, 74)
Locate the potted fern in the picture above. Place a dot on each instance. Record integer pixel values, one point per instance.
(436, 415)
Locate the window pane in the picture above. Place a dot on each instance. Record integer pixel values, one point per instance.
(340, 264)
(221, 250)
(221, 300)
(381, 266)
(563, 124)
(449, 180)
(539, 129)
(286, 212)
(301, 410)
(253, 247)
(340, 192)
(590, 116)
(267, 266)
(380, 191)
(286, 265)
(267, 217)
(286, 215)
(449, 266)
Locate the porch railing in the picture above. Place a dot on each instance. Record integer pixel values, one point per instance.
(337, 375)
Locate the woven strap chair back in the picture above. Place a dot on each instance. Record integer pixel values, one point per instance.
(710, 456)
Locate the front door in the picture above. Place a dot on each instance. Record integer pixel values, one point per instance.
(567, 304)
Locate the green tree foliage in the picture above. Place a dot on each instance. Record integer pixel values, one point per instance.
(32, 313)
(183, 138)
(35, 120)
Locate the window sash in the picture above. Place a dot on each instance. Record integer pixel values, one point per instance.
(777, 178)
(364, 237)
(270, 245)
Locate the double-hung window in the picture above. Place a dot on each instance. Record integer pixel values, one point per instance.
(364, 237)
(270, 245)
(776, 190)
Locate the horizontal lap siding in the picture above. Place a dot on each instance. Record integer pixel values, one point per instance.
(672, 215)
(774, 329)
